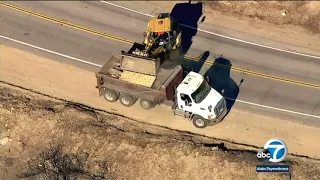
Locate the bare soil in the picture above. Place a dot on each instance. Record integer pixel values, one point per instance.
(302, 13)
(44, 138)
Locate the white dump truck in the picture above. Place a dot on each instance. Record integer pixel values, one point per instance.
(128, 78)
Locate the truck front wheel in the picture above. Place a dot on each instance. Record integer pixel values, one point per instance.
(110, 95)
(199, 122)
(146, 104)
(126, 100)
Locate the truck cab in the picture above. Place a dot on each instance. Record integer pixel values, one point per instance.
(197, 100)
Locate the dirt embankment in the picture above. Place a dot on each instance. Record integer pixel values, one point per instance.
(45, 138)
(302, 13)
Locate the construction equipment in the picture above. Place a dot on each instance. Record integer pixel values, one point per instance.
(162, 36)
(129, 78)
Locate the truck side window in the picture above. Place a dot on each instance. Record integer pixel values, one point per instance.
(186, 99)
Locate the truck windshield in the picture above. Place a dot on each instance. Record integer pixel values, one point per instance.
(202, 91)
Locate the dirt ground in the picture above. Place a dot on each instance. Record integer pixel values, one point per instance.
(43, 138)
(302, 13)
(291, 22)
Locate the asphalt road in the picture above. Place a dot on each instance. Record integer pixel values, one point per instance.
(104, 18)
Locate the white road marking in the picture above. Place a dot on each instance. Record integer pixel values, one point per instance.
(97, 65)
(49, 51)
(274, 108)
(127, 9)
(215, 34)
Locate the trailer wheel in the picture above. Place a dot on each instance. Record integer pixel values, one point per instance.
(146, 104)
(199, 122)
(126, 100)
(110, 95)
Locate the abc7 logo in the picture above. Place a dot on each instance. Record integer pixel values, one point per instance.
(263, 155)
(274, 150)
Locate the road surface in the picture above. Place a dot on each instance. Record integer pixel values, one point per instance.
(254, 90)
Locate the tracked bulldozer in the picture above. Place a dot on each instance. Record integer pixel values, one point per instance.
(163, 35)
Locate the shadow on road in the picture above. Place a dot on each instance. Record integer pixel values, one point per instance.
(189, 64)
(187, 14)
(219, 78)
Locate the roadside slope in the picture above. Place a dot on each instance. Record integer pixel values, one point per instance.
(67, 82)
(41, 135)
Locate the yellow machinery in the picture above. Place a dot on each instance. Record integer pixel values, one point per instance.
(162, 36)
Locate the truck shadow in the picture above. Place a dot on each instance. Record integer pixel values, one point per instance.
(188, 15)
(189, 64)
(220, 79)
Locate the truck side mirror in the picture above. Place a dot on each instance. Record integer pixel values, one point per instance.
(222, 91)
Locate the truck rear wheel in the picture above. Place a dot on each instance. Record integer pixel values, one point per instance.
(126, 100)
(199, 122)
(146, 104)
(110, 95)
